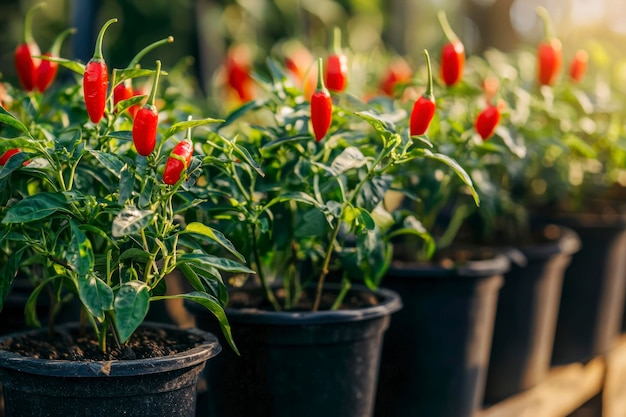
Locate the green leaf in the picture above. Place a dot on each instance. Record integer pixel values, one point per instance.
(182, 126)
(73, 66)
(129, 102)
(245, 155)
(131, 221)
(294, 196)
(413, 226)
(381, 125)
(460, 172)
(127, 184)
(237, 113)
(9, 119)
(214, 235)
(125, 74)
(374, 257)
(14, 163)
(36, 207)
(79, 251)
(22, 142)
(313, 223)
(131, 307)
(191, 275)
(212, 304)
(30, 309)
(96, 295)
(125, 135)
(135, 254)
(285, 140)
(423, 139)
(221, 264)
(507, 139)
(365, 218)
(8, 272)
(349, 158)
(578, 145)
(112, 163)
(205, 279)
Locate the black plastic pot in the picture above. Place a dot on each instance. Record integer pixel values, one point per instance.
(163, 386)
(436, 350)
(594, 288)
(526, 316)
(305, 364)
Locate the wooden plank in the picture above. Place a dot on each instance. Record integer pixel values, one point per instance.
(614, 394)
(565, 389)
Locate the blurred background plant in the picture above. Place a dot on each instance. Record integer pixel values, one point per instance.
(205, 29)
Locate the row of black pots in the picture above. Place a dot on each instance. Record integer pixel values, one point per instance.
(463, 337)
(483, 331)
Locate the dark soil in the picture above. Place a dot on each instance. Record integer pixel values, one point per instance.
(256, 299)
(145, 343)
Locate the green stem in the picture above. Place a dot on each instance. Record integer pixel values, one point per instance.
(327, 257)
(268, 291)
(429, 89)
(548, 30)
(133, 63)
(445, 26)
(27, 35)
(102, 335)
(55, 50)
(345, 287)
(97, 54)
(73, 172)
(152, 264)
(320, 75)
(337, 40)
(153, 92)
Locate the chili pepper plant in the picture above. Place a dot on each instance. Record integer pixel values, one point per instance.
(525, 143)
(312, 210)
(97, 207)
(570, 126)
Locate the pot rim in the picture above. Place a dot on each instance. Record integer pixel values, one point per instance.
(498, 264)
(209, 348)
(568, 243)
(390, 302)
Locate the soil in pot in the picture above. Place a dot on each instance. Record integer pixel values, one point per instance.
(299, 363)
(155, 375)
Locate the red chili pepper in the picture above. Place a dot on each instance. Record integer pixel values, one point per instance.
(549, 52)
(146, 121)
(298, 61)
(135, 107)
(487, 121)
(123, 91)
(578, 66)
(490, 87)
(336, 65)
(25, 65)
(321, 106)
(452, 54)
(47, 71)
(178, 161)
(424, 107)
(237, 68)
(398, 72)
(96, 79)
(7, 155)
